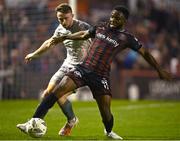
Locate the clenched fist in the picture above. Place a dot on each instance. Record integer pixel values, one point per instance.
(30, 57)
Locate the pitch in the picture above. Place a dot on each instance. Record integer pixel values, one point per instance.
(143, 120)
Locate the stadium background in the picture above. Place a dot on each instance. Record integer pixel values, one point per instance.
(26, 24)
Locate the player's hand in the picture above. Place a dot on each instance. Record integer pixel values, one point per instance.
(164, 75)
(30, 57)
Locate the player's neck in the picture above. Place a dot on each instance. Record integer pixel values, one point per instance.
(121, 29)
(118, 28)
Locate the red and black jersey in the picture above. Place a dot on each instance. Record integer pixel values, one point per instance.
(106, 45)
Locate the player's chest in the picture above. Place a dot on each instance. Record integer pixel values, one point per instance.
(107, 38)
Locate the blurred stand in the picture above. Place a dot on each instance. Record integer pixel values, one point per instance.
(26, 24)
(145, 84)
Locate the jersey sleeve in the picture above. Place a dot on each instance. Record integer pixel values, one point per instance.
(92, 31)
(84, 26)
(60, 31)
(134, 43)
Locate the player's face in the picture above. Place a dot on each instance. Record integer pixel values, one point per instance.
(66, 19)
(117, 19)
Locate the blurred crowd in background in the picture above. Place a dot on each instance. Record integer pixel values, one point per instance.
(26, 24)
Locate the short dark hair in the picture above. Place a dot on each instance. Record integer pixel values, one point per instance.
(64, 8)
(123, 9)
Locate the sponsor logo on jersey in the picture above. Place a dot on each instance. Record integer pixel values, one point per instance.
(107, 38)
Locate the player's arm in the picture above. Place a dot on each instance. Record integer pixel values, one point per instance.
(81, 35)
(151, 60)
(43, 48)
(135, 45)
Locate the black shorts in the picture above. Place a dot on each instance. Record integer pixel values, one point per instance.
(99, 85)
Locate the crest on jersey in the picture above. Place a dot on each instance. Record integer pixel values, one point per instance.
(105, 83)
(77, 73)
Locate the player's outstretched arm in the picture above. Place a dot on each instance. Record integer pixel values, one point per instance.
(43, 48)
(150, 59)
(81, 35)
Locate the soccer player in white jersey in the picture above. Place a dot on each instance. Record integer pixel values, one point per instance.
(75, 51)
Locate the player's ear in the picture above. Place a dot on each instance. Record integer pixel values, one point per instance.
(124, 19)
(73, 15)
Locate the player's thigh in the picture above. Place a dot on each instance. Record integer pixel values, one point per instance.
(65, 86)
(57, 77)
(72, 80)
(54, 81)
(99, 85)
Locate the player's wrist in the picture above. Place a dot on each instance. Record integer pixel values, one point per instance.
(35, 55)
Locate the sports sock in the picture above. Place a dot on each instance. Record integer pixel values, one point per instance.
(67, 110)
(45, 105)
(109, 124)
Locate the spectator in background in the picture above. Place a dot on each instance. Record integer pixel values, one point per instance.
(19, 18)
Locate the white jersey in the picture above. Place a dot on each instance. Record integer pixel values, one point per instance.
(75, 48)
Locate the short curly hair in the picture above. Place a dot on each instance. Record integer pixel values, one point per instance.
(123, 9)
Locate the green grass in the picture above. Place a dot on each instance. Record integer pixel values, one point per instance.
(143, 120)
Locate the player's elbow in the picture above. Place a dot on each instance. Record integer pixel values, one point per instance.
(49, 43)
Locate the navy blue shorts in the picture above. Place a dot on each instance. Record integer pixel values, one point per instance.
(99, 85)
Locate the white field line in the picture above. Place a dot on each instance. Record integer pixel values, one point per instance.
(154, 105)
(127, 107)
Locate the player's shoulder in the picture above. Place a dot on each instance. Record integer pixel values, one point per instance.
(60, 27)
(133, 41)
(82, 24)
(127, 33)
(60, 30)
